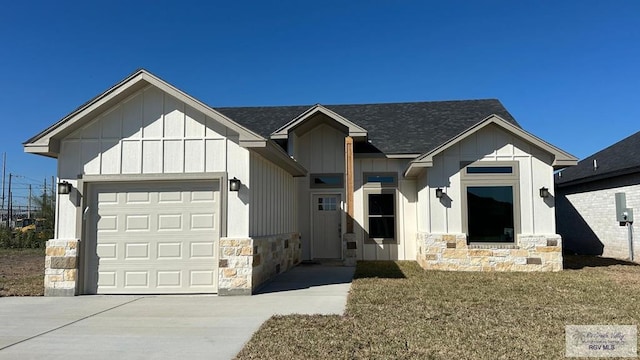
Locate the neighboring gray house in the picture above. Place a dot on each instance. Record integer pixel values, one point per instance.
(586, 209)
(169, 195)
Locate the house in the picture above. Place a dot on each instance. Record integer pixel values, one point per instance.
(586, 200)
(164, 194)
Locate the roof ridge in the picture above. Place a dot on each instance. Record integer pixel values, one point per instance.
(358, 104)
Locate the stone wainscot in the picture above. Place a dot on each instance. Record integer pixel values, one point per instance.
(247, 263)
(451, 252)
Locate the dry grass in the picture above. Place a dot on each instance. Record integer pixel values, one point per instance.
(21, 272)
(397, 310)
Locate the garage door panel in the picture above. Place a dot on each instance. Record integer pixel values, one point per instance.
(169, 279)
(136, 279)
(202, 278)
(169, 251)
(158, 238)
(107, 250)
(137, 251)
(202, 250)
(136, 197)
(170, 197)
(203, 221)
(170, 222)
(137, 223)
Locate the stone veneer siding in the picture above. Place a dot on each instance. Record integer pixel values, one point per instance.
(246, 263)
(61, 267)
(451, 252)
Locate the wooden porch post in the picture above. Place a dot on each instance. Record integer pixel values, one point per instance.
(348, 153)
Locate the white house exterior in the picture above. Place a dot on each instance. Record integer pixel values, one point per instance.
(151, 209)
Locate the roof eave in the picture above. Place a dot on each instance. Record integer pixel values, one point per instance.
(354, 129)
(561, 158)
(123, 89)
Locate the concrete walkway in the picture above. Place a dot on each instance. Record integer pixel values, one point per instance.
(162, 327)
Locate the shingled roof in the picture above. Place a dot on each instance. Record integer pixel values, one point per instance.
(393, 128)
(620, 158)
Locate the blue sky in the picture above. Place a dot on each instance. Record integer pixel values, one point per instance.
(568, 71)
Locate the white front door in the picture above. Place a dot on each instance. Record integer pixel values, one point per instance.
(327, 232)
(153, 237)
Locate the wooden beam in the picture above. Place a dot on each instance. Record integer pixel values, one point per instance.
(348, 154)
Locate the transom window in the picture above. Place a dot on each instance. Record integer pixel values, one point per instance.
(380, 179)
(326, 180)
(491, 200)
(489, 169)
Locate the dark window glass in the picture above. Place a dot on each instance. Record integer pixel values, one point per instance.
(382, 227)
(381, 204)
(489, 170)
(490, 213)
(328, 180)
(381, 179)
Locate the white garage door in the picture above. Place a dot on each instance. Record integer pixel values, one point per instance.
(155, 237)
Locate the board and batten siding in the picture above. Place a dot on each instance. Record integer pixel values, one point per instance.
(319, 150)
(488, 144)
(405, 246)
(151, 132)
(273, 201)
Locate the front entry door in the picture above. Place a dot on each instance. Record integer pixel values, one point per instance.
(327, 232)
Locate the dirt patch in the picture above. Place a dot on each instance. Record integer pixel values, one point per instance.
(21, 272)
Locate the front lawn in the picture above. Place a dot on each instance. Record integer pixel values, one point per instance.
(21, 272)
(397, 310)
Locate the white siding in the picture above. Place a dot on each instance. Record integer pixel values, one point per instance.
(488, 144)
(273, 206)
(406, 212)
(152, 133)
(149, 133)
(321, 150)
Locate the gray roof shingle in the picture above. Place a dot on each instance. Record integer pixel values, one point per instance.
(620, 158)
(393, 128)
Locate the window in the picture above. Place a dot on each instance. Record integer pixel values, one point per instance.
(491, 197)
(380, 207)
(380, 179)
(326, 180)
(490, 213)
(328, 203)
(381, 216)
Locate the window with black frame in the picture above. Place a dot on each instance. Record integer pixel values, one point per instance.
(380, 207)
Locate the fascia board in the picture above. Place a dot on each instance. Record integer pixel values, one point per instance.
(354, 129)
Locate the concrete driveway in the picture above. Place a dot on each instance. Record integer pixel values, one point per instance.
(162, 327)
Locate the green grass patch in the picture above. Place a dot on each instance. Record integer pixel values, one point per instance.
(398, 310)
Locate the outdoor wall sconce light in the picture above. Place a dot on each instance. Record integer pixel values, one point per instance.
(234, 184)
(439, 193)
(64, 188)
(544, 192)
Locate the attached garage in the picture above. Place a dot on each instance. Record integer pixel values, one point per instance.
(153, 237)
(147, 206)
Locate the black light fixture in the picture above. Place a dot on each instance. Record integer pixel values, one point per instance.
(544, 192)
(439, 193)
(234, 184)
(64, 188)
